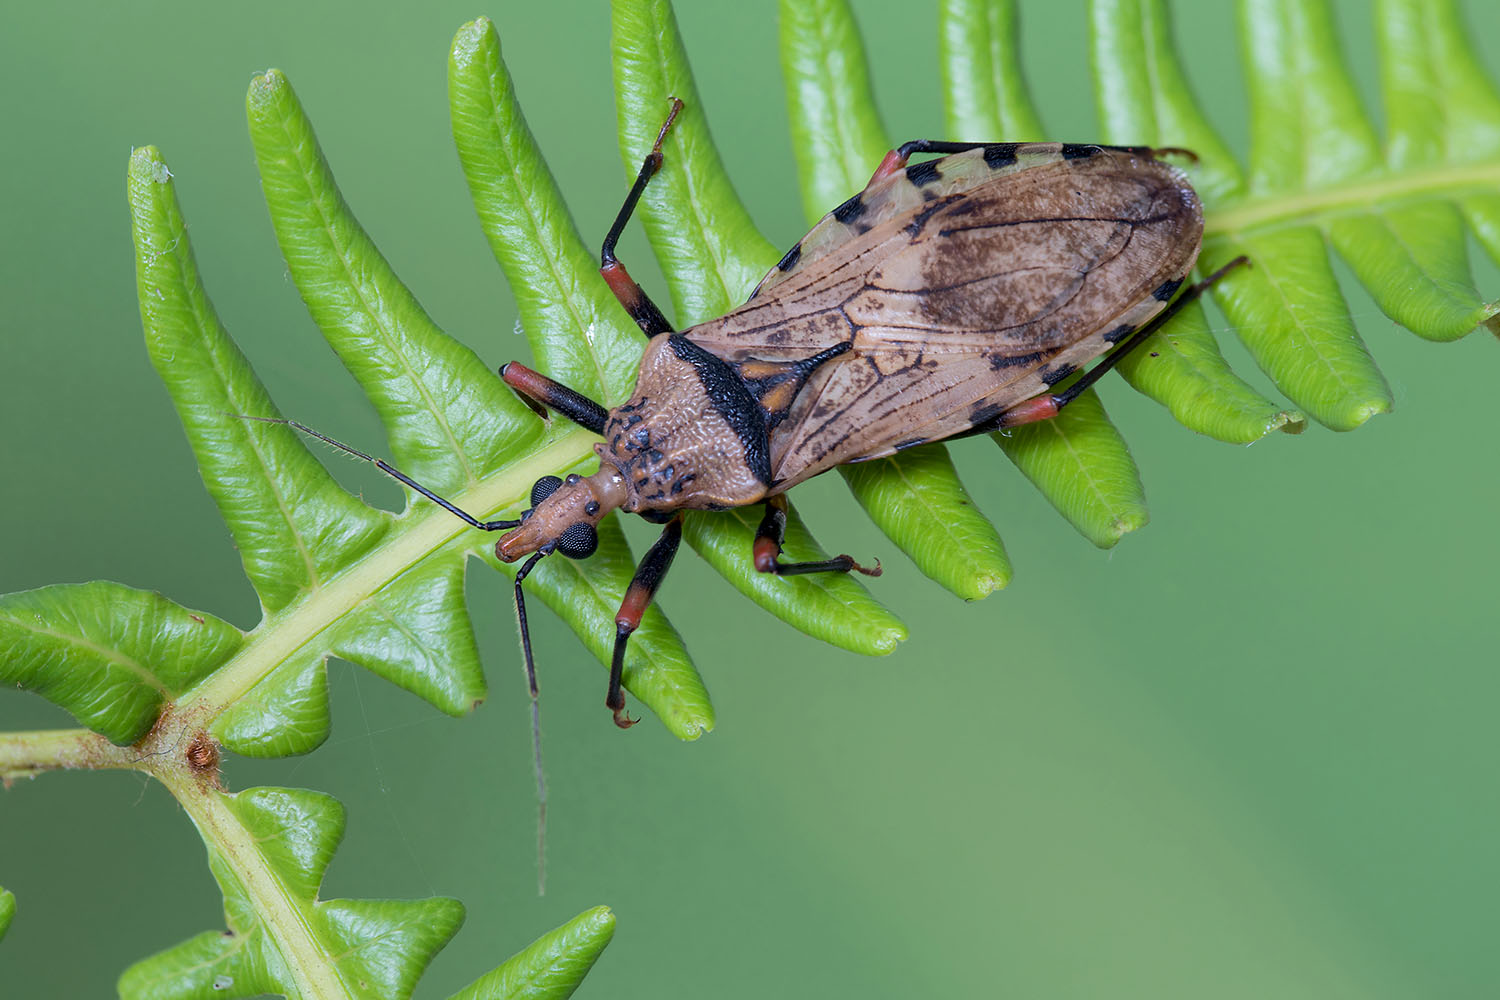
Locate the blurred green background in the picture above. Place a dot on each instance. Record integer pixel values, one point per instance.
(1249, 753)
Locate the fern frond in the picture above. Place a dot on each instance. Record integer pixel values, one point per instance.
(337, 577)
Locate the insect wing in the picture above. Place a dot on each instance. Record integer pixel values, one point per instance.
(965, 286)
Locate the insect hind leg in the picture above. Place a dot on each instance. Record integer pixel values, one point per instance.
(1002, 153)
(768, 539)
(1046, 407)
(634, 298)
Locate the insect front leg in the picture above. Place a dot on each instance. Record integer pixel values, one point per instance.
(645, 313)
(772, 531)
(539, 390)
(643, 587)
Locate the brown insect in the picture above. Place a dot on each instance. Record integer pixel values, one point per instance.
(945, 299)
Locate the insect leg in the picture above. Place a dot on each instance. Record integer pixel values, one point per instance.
(534, 389)
(1001, 153)
(648, 577)
(536, 727)
(1045, 407)
(393, 472)
(645, 313)
(768, 538)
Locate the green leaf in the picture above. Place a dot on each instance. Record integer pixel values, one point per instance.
(392, 598)
(1415, 261)
(1181, 367)
(111, 655)
(707, 246)
(833, 607)
(1321, 178)
(979, 54)
(1143, 95)
(268, 849)
(955, 545)
(1079, 462)
(576, 329)
(1440, 105)
(552, 966)
(292, 524)
(837, 136)
(1287, 309)
(450, 421)
(7, 910)
(1143, 98)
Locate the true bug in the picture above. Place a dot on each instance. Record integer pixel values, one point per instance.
(945, 299)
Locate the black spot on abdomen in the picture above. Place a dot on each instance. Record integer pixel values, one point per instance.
(1001, 154)
(850, 210)
(790, 260)
(999, 361)
(922, 173)
(1058, 374)
(1166, 290)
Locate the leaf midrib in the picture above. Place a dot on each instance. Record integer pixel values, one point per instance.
(80, 641)
(310, 966)
(1278, 211)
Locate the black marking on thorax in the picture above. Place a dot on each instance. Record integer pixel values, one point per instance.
(732, 401)
(776, 384)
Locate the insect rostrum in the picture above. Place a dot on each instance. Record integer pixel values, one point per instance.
(947, 298)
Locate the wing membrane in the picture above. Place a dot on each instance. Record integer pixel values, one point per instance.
(962, 295)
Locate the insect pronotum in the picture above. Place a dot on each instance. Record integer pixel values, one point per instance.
(945, 299)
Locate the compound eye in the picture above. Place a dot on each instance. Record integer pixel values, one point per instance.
(544, 488)
(579, 540)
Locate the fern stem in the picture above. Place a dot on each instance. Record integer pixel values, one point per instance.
(28, 754)
(1262, 215)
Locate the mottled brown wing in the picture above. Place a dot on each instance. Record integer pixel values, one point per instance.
(963, 293)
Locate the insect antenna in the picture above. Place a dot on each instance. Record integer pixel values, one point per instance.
(536, 728)
(390, 470)
(498, 525)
